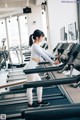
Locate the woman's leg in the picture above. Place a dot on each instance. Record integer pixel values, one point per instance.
(30, 78)
(30, 96)
(39, 89)
(39, 92)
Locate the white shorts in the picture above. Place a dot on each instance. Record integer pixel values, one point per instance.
(32, 77)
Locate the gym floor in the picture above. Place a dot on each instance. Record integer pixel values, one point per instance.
(70, 90)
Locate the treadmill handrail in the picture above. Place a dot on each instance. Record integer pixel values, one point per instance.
(58, 112)
(47, 83)
(13, 84)
(44, 83)
(47, 69)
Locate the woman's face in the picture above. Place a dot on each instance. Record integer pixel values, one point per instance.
(41, 38)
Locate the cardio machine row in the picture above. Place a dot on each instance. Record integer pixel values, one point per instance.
(39, 71)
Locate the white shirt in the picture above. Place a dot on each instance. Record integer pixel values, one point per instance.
(38, 52)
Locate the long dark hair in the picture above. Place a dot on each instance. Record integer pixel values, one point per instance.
(37, 33)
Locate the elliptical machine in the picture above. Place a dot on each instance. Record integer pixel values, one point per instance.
(4, 55)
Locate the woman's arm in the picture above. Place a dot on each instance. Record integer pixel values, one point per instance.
(40, 52)
(48, 53)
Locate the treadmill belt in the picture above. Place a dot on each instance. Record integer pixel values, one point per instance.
(20, 105)
(16, 108)
(17, 94)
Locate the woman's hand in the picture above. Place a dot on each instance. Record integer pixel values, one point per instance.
(56, 62)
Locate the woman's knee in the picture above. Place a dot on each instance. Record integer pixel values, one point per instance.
(29, 90)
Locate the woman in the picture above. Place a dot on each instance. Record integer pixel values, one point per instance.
(36, 53)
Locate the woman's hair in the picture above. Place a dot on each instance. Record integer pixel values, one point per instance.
(37, 33)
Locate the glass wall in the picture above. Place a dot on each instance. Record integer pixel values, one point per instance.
(2, 32)
(17, 41)
(24, 34)
(24, 30)
(14, 42)
(13, 32)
